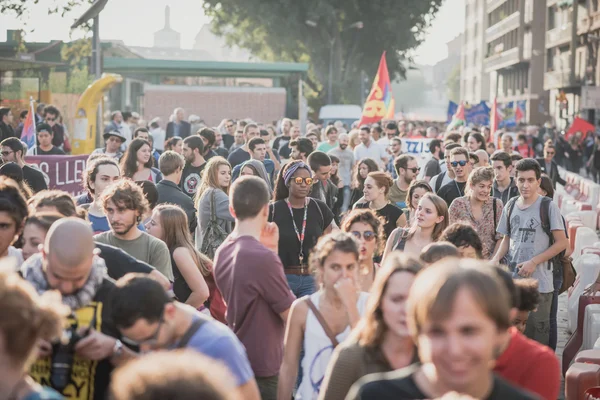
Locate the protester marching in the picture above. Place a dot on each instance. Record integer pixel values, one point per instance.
(378, 257)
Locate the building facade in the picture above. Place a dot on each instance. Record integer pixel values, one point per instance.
(474, 82)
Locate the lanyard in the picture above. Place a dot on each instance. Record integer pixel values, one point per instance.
(458, 188)
(299, 234)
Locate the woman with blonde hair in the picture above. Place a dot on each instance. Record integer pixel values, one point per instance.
(480, 210)
(430, 221)
(381, 342)
(215, 221)
(25, 319)
(367, 228)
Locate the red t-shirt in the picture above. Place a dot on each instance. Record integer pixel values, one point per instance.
(530, 366)
(251, 280)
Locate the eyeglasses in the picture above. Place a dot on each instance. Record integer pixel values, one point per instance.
(369, 236)
(51, 119)
(150, 341)
(414, 170)
(462, 163)
(299, 180)
(5, 153)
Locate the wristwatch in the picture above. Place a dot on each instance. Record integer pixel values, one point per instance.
(118, 349)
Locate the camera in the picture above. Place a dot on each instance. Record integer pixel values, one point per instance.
(63, 352)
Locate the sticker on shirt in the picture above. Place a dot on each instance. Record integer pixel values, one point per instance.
(191, 183)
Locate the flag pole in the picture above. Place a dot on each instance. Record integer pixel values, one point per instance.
(32, 111)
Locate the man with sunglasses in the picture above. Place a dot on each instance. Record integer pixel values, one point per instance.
(459, 162)
(148, 318)
(51, 117)
(549, 166)
(407, 169)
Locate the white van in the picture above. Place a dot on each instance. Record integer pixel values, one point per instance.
(346, 113)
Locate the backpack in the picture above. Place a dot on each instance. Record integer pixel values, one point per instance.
(560, 260)
(438, 181)
(213, 235)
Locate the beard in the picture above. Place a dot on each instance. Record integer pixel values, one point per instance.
(124, 228)
(343, 146)
(408, 181)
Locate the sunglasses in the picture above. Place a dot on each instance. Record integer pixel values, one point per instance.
(414, 170)
(462, 163)
(51, 119)
(150, 341)
(299, 180)
(369, 236)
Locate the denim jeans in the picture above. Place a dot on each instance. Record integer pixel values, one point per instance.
(301, 285)
(268, 387)
(558, 280)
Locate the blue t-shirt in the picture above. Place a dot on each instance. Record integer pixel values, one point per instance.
(215, 340)
(100, 224)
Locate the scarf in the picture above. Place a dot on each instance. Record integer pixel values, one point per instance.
(33, 272)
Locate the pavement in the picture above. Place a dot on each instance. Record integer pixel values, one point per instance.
(563, 334)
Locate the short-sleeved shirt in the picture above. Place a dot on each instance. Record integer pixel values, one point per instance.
(319, 217)
(432, 168)
(191, 178)
(390, 214)
(397, 196)
(54, 151)
(346, 158)
(251, 280)
(216, 341)
(145, 248)
(452, 190)
(89, 379)
(375, 151)
(528, 239)
(401, 384)
(326, 147)
(460, 211)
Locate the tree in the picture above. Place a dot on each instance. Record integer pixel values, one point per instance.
(308, 30)
(453, 85)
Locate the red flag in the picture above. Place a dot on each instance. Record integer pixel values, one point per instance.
(518, 113)
(380, 103)
(580, 125)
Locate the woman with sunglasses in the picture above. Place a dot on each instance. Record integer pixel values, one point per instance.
(301, 221)
(320, 321)
(376, 190)
(367, 228)
(480, 210)
(381, 341)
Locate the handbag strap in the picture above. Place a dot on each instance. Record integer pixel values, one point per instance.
(322, 321)
(213, 212)
(191, 331)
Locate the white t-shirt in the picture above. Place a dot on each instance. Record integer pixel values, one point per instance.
(375, 151)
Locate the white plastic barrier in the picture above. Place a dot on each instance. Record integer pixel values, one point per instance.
(597, 344)
(591, 326)
(587, 267)
(586, 237)
(588, 218)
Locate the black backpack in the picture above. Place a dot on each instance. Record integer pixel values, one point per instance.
(438, 182)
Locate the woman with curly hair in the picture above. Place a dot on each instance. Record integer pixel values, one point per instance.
(367, 228)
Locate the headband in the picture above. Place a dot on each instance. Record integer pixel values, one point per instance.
(287, 176)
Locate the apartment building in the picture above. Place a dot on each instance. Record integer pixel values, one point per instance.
(514, 57)
(474, 82)
(572, 36)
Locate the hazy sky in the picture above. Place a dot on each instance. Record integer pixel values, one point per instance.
(135, 21)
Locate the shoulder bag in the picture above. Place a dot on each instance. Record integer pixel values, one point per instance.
(214, 234)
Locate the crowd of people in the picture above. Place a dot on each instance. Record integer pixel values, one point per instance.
(316, 262)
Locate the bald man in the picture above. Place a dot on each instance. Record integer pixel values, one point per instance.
(484, 158)
(68, 263)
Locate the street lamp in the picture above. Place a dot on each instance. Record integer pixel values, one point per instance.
(314, 24)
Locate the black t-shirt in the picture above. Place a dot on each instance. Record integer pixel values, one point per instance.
(89, 379)
(34, 178)
(118, 263)
(390, 213)
(279, 142)
(400, 385)
(191, 178)
(54, 151)
(451, 191)
(319, 217)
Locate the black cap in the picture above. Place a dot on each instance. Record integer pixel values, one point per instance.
(115, 134)
(44, 127)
